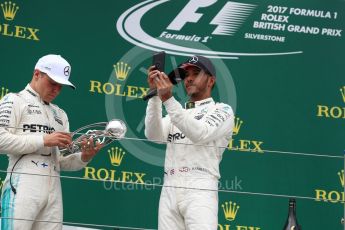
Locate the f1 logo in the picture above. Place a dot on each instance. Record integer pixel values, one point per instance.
(188, 14)
(228, 19)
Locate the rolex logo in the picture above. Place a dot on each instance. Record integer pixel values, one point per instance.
(230, 210)
(116, 155)
(121, 70)
(342, 90)
(341, 177)
(9, 10)
(237, 126)
(335, 112)
(4, 91)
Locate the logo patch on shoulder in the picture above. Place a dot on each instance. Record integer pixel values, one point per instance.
(58, 120)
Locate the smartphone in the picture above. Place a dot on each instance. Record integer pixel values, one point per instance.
(158, 60)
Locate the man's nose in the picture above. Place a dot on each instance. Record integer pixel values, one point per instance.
(188, 79)
(57, 88)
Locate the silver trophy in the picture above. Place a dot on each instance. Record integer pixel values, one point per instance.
(105, 133)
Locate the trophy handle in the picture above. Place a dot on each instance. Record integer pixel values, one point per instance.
(98, 124)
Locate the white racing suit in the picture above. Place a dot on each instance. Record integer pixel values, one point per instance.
(36, 169)
(196, 139)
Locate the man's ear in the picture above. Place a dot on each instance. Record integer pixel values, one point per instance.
(211, 81)
(36, 74)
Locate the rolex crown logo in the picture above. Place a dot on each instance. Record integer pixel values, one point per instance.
(3, 92)
(116, 155)
(9, 10)
(342, 90)
(237, 126)
(121, 70)
(230, 210)
(341, 177)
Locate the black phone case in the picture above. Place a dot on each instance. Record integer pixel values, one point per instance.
(158, 60)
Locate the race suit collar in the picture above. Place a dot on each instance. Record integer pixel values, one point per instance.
(191, 104)
(33, 93)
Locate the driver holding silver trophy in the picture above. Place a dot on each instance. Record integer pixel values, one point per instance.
(32, 130)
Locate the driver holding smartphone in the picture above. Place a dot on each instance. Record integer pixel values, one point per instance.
(196, 136)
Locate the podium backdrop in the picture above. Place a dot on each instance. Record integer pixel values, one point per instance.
(280, 65)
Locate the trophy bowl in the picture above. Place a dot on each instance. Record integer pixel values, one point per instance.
(116, 128)
(101, 132)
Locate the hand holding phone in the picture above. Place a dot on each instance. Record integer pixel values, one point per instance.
(158, 60)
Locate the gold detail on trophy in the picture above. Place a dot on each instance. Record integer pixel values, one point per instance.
(342, 90)
(116, 155)
(230, 210)
(121, 70)
(341, 177)
(9, 10)
(4, 91)
(237, 126)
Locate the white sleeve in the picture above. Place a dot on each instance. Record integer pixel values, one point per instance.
(72, 162)
(217, 122)
(10, 117)
(156, 127)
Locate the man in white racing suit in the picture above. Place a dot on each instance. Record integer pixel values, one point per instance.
(196, 136)
(31, 130)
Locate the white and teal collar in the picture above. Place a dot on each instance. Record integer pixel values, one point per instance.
(191, 104)
(33, 93)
